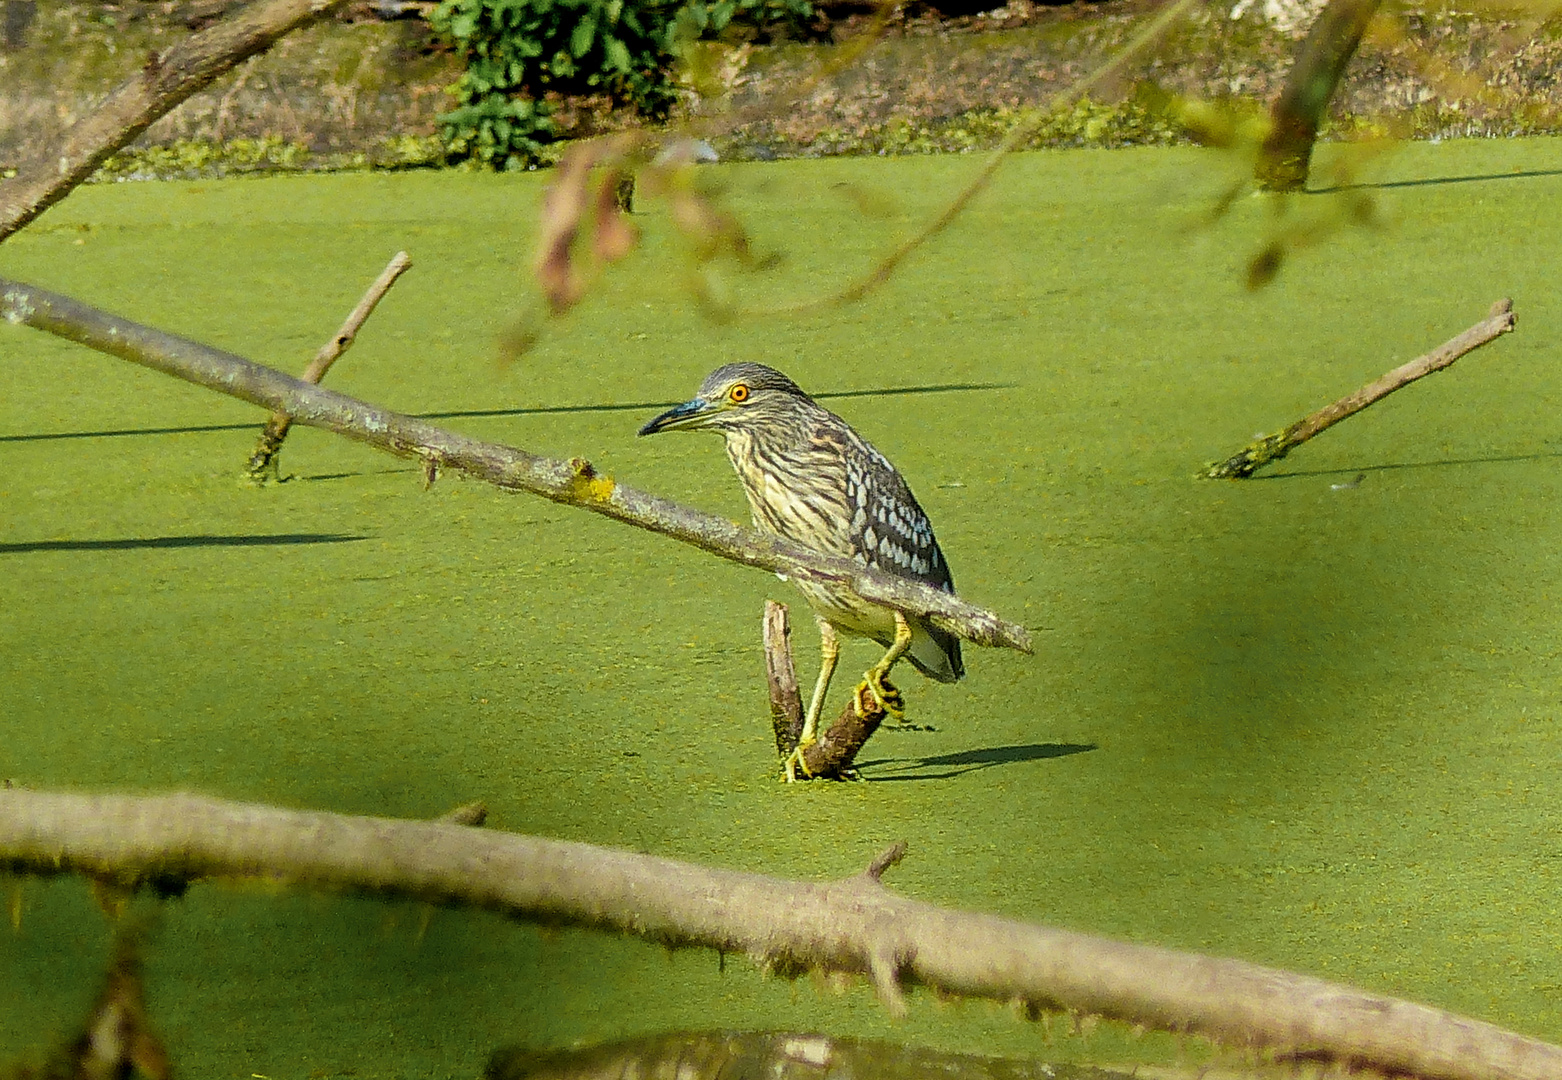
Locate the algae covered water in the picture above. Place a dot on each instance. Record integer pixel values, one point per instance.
(1308, 723)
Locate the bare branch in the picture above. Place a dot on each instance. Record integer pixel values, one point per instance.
(1270, 448)
(832, 755)
(727, 1055)
(270, 443)
(575, 482)
(167, 79)
(786, 702)
(854, 925)
(885, 859)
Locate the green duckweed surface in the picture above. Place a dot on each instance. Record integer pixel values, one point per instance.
(1312, 727)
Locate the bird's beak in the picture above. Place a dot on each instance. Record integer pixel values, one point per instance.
(689, 414)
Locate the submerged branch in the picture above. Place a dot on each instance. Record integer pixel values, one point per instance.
(167, 79)
(1270, 448)
(832, 754)
(853, 925)
(575, 482)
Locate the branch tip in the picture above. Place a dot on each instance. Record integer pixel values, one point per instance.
(884, 964)
(472, 813)
(889, 857)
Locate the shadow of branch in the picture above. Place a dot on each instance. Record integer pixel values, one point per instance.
(966, 761)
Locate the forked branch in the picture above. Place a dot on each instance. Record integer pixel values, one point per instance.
(854, 925)
(575, 482)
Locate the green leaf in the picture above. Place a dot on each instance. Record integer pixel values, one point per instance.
(616, 53)
(585, 34)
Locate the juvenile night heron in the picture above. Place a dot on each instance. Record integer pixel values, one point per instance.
(812, 479)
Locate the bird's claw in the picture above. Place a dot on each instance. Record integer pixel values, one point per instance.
(795, 761)
(883, 696)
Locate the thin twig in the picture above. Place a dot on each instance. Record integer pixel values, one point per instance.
(263, 460)
(854, 925)
(166, 79)
(1270, 448)
(575, 482)
(1016, 136)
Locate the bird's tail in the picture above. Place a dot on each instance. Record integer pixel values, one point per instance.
(935, 653)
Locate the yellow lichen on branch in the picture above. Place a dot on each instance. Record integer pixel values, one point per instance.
(588, 484)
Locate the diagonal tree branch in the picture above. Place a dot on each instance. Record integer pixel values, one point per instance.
(574, 482)
(1270, 448)
(167, 79)
(855, 925)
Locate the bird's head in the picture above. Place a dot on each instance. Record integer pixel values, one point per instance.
(734, 397)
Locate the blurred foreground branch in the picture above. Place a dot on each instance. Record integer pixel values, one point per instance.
(854, 925)
(581, 200)
(574, 482)
(168, 78)
(1270, 448)
(750, 1055)
(1298, 112)
(879, 274)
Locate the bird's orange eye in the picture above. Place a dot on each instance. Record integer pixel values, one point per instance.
(738, 394)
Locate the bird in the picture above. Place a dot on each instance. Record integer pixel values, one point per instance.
(811, 479)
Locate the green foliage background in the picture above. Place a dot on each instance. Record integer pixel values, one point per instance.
(518, 50)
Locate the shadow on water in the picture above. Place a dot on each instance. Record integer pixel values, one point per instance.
(139, 543)
(966, 761)
(1392, 466)
(1435, 181)
(542, 410)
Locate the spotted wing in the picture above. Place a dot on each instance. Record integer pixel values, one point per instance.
(889, 531)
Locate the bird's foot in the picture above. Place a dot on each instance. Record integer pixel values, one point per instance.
(877, 694)
(795, 762)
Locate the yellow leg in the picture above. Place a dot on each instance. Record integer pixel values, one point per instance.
(876, 681)
(829, 653)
